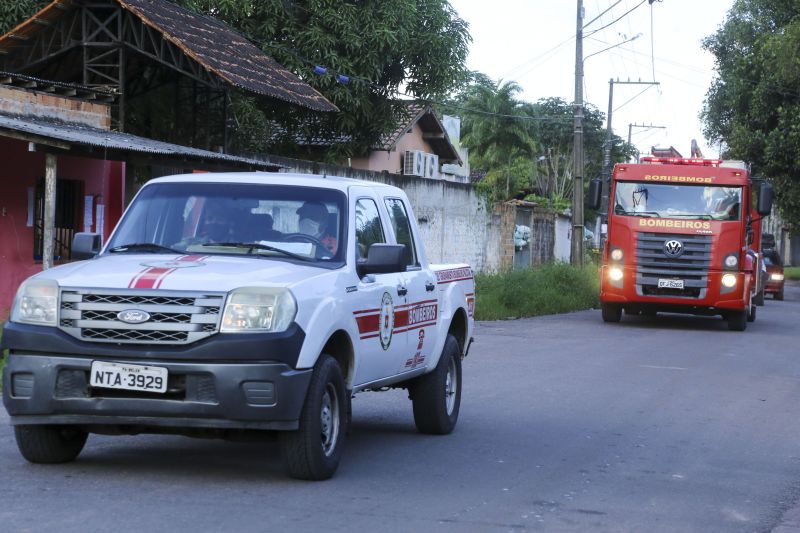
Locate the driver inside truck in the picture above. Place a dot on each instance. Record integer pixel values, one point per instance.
(314, 220)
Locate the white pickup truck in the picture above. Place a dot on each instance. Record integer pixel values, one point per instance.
(233, 303)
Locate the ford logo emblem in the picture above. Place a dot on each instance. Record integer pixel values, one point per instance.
(133, 316)
(673, 248)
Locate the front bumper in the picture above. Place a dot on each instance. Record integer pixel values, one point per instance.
(218, 388)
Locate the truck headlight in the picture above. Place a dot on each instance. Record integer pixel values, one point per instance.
(777, 276)
(615, 273)
(616, 254)
(258, 309)
(729, 280)
(36, 303)
(732, 261)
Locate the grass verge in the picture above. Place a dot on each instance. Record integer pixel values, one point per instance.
(792, 273)
(549, 289)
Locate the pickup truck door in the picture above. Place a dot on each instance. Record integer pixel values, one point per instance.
(418, 319)
(375, 301)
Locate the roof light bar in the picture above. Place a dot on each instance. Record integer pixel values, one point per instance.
(682, 161)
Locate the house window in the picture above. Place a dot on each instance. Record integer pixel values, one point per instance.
(69, 202)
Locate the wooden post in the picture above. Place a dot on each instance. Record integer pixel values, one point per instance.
(49, 211)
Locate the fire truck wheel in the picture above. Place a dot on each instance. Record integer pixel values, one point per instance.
(314, 450)
(436, 396)
(49, 444)
(611, 312)
(758, 299)
(737, 320)
(751, 314)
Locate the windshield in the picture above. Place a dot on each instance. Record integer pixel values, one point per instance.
(680, 201)
(300, 223)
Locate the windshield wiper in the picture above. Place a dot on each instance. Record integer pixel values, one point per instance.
(144, 247)
(637, 213)
(701, 216)
(258, 246)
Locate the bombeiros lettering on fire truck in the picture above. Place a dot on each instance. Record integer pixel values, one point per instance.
(239, 303)
(684, 235)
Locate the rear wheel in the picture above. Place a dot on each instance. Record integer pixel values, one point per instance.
(436, 396)
(758, 299)
(737, 320)
(313, 451)
(611, 312)
(50, 444)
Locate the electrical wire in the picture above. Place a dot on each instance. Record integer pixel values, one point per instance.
(652, 42)
(628, 101)
(617, 19)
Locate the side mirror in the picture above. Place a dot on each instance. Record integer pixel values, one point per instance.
(86, 245)
(765, 197)
(595, 193)
(383, 259)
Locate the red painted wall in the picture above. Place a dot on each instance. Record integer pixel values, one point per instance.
(19, 171)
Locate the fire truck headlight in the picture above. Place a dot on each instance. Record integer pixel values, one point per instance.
(777, 276)
(729, 280)
(36, 303)
(616, 254)
(258, 309)
(615, 274)
(732, 261)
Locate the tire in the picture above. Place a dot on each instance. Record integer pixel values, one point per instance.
(436, 396)
(751, 313)
(758, 299)
(314, 450)
(778, 295)
(50, 444)
(737, 320)
(611, 312)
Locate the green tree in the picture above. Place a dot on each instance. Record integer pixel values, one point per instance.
(13, 12)
(419, 45)
(753, 103)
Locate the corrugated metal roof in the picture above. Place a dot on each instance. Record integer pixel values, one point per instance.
(208, 41)
(78, 134)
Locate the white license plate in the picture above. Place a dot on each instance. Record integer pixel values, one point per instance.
(128, 377)
(670, 284)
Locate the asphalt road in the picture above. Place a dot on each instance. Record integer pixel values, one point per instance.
(567, 424)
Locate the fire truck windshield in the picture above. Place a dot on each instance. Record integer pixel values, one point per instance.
(679, 201)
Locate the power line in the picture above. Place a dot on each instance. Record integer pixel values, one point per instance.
(617, 19)
(628, 101)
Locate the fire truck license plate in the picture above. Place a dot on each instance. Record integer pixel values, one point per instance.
(128, 377)
(670, 284)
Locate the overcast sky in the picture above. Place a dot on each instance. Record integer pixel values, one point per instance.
(532, 42)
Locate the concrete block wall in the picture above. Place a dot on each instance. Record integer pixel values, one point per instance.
(16, 101)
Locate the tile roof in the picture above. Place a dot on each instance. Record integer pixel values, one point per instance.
(208, 41)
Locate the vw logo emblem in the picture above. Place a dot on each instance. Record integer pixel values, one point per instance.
(673, 248)
(133, 316)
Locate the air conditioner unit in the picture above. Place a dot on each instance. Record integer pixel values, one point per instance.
(414, 163)
(432, 166)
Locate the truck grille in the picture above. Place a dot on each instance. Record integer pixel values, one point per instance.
(691, 266)
(177, 318)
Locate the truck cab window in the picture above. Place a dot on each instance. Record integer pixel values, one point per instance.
(368, 226)
(402, 228)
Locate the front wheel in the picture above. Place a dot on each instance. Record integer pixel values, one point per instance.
(436, 396)
(751, 313)
(737, 320)
(611, 312)
(50, 444)
(314, 450)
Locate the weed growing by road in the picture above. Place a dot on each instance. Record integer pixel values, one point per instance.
(792, 273)
(548, 289)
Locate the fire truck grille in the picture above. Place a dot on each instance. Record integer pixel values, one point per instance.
(172, 318)
(690, 266)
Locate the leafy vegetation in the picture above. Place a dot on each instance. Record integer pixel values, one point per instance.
(753, 104)
(526, 148)
(792, 273)
(549, 289)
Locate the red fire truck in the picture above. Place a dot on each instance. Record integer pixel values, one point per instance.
(683, 236)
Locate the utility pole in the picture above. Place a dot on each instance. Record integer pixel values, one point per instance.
(608, 143)
(576, 257)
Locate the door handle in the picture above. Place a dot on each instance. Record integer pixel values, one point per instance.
(429, 286)
(401, 291)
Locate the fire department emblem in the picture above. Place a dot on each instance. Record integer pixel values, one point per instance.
(673, 248)
(386, 319)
